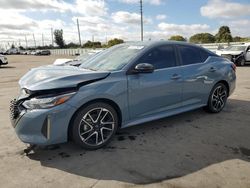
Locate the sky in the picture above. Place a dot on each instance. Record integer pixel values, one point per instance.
(103, 20)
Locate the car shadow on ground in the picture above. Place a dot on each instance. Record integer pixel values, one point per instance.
(160, 150)
(6, 67)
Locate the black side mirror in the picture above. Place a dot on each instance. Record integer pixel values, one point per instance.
(144, 68)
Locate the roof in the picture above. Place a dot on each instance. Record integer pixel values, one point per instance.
(161, 42)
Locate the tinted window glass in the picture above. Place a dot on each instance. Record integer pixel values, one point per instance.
(160, 57)
(204, 55)
(189, 55)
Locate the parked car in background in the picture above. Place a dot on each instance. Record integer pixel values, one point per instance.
(42, 52)
(29, 52)
(12, 51)
(239, 54)
(33, 52)
(2, 51)
(125, 85)
(24, 52)
(3, 60)
(62, 62)
(77, 61)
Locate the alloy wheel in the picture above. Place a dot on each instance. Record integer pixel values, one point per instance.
(96, 126)
(219, 98)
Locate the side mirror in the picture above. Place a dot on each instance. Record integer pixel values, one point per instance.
(144, 68)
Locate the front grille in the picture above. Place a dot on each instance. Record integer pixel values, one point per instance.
(227, 56)
(14, 112)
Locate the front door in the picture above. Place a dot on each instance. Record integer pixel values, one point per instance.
(160, 91)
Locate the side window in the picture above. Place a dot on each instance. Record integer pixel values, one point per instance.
(204, 55)
(160, 57)
(189, 55)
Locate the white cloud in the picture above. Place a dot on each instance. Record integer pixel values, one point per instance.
(129, 18)
(15, 21)
(96, 20)
(91, 7)
(161, 17)
(126, 17)
(183, 29)
(224, 9)
(16, 24)
(89, 20)
(83, 7)
(36, 5)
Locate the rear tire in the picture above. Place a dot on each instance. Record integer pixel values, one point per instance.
(217, 99)
(94, 125)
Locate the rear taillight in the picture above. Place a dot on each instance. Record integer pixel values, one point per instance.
(233, 67)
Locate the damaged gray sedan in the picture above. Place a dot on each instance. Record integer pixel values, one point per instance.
(125, 85)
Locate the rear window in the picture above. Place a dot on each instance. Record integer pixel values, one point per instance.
(204, 55)
(190, 55)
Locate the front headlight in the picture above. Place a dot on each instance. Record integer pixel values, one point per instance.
(47, 102)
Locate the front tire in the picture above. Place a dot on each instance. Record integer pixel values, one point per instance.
(242, 62)
(94, 125)
(217, 99)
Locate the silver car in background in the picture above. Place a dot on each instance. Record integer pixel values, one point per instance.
(3, 60)
(239, 54)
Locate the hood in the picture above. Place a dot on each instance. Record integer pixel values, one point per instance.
(56, 77)
(61, 62)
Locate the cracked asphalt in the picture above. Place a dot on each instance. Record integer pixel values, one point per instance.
(193, 149)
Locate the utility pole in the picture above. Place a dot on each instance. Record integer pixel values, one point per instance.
(34, 39)
(42, 40)
(26, 41)
(52, 39)
(79, 34)
(141, 20)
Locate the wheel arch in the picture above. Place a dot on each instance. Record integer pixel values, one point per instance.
(226, 84)
(103, 100)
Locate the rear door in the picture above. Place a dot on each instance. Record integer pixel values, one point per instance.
(196, 73)
(160, 91)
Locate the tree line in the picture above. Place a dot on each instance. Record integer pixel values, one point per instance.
(223, 36)
(89, 44)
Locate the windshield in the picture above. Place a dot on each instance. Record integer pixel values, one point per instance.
(80, 57)
(236, 48)
(112, 59)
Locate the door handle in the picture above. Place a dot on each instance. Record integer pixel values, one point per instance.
(212, 69)
(175, 77)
